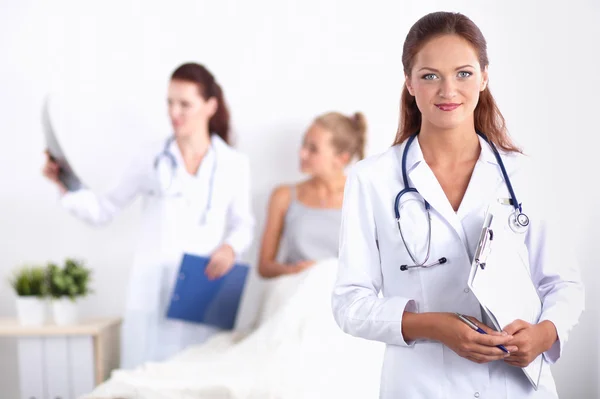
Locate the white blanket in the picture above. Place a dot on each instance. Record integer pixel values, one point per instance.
(297, 351)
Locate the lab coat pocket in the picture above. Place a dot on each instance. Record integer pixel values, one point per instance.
(405, 284)
(425, 357)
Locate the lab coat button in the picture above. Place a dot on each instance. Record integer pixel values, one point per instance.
(476, 394)
(466, 292)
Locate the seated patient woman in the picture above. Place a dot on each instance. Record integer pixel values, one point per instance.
(305, 217)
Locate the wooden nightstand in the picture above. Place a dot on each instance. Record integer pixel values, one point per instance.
(64, 362)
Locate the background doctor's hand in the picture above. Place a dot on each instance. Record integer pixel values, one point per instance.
(531, 339)
(221, 261)
(51, 170)
(470, 344)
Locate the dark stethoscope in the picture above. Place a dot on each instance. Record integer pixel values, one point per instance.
(165, 161)
(518, 221)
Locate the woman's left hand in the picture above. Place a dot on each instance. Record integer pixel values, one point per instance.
(530, 339)
(221, 261)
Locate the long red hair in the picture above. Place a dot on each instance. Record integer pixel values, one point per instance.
(488, 119)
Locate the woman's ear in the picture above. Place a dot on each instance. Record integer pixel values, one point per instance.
(211, 106)
(344, 158)
(484, 79)
(408, 85)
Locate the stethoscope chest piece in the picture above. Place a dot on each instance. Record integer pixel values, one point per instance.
(518, 222)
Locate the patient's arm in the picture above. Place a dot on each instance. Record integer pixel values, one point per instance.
(268, 267)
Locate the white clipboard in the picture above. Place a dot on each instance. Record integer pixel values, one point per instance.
(500, 278)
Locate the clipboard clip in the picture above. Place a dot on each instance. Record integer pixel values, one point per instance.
(485, 240)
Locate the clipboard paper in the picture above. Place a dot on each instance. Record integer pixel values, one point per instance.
(503, 286)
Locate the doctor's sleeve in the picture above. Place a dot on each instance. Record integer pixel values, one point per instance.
(98, 209)
(240, 219)
(556, 275)
(356, 306)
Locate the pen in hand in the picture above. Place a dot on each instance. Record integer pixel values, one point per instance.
(478, 329)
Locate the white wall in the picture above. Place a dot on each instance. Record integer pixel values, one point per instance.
(280, 64)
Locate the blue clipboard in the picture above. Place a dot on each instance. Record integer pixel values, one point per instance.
(197, 299)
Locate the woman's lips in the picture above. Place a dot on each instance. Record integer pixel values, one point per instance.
(447, 107)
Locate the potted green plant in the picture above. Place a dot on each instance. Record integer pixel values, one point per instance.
(67, 285)
(30, 285)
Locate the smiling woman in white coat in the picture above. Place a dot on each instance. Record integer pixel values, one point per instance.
(402, 282)
(196, 199)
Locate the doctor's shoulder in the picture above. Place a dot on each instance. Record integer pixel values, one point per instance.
(531, 182)
(521, 167)
(378, 166)
(235, 160)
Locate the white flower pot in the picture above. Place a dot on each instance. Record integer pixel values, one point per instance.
(31, 310)
(65, 311)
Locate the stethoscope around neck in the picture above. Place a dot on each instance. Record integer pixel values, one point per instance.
(518, 221)
(165, 165)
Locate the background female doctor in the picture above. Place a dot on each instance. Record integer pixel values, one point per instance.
(430, 352)
(196, 199)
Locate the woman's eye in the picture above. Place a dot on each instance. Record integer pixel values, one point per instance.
(464, 74)
(429, 76)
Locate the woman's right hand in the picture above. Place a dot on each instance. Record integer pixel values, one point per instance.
(52, 170)
(467, 343)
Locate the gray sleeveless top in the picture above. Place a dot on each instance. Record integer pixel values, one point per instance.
(310, 233)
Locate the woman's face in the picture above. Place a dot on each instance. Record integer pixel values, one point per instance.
(188, 111)
(446, 80)
(318, 156)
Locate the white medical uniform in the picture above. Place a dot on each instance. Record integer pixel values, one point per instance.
(371, 252)
(172, 223)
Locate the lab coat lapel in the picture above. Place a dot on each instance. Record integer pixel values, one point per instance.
(483, 185)
(484, 182)
(485, 179)
(188, 184)
(423, 179)
(426, 183)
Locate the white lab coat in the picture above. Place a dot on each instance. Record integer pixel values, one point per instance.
(170, 226)
(371, 293)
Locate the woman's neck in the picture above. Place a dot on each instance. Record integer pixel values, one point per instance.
(446, 147)
(194, 146)
(328, 190)
(329, 185)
